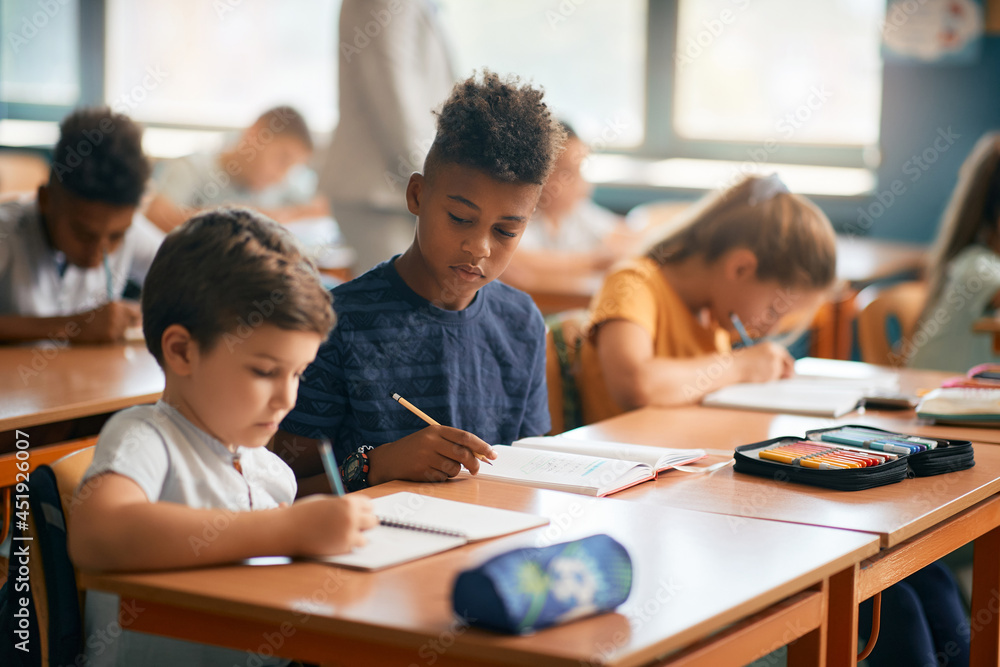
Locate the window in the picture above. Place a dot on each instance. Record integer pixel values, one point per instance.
(589, 56)
(40, 57)
(220, 64)
(771, 73)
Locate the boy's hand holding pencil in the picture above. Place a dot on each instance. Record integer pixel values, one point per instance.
(433, 454)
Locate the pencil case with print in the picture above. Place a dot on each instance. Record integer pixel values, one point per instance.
(927, 456)
(805, 461)
(524, 590)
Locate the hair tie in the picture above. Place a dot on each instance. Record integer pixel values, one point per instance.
(766, 188)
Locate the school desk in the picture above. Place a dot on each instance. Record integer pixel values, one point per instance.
(917, 521)
(703, 593)
(44, 384)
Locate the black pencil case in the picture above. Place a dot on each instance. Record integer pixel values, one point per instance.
(855, 479)
(948, 456)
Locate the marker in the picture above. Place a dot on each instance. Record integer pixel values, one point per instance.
(889, 447)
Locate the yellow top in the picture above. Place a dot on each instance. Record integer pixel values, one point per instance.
(639, 292)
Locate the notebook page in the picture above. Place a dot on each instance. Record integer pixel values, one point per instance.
(392, 546)
(654, 457)
(795, 395)
(475, 522)
(564, 471)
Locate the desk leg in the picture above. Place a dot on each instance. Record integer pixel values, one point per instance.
(986, 600)
(842, 633)
(809, 650)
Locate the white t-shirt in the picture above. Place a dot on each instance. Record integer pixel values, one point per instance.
(30, 279)
(945, 340)
(582, 230)
(200, 181)
(172, 460)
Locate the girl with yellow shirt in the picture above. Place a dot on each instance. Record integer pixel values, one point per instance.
(659, 330)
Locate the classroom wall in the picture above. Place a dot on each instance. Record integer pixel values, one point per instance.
(920, 104)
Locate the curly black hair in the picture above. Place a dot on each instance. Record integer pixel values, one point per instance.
(499, 126)
(99, 157)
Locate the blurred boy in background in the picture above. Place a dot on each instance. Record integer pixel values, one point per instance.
(265, 170)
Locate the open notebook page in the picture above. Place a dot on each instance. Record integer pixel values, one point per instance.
(563, 471)
(658, 458)
(443, 524)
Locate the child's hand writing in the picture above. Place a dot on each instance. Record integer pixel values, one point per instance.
(430, 455)
(327, 525)
(108, 323)
(764, 362)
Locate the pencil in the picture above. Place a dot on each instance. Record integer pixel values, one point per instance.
(107, 277)
(747, 340)
(428, 419)
(330, 465)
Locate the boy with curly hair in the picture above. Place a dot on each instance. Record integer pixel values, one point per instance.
(431, 324)
(67, 253)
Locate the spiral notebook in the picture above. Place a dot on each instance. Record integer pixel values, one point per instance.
(412, 526)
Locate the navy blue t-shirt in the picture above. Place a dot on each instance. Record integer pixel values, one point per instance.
(481, 369)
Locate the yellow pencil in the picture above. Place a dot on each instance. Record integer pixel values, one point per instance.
(430, 420)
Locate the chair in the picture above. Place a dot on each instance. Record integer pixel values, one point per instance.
(55, 629)
(888, 318)
(563, 339)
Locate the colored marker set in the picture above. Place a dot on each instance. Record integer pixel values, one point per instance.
(823, 457)
(878, 440)
(852, 457)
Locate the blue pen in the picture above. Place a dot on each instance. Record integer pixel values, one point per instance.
(330, 465)
(741, 330)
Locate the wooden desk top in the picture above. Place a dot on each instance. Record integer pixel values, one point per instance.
(694, 574)
(43, 385)
(895, 512)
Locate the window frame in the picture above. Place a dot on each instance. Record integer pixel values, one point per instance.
(90, 29)
(660, 141)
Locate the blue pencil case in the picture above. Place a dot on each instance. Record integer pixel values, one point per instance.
(524, 590)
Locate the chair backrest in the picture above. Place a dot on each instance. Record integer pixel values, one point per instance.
(563, 339)
(889, 318)
(69, 471)
(54, 635)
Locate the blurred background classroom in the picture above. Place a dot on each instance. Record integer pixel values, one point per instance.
(866, 106)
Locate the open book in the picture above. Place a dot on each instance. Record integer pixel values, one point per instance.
(820, 387)
(413, 526)
(582, 466)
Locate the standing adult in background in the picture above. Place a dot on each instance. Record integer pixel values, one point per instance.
(394, 70)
